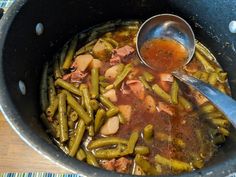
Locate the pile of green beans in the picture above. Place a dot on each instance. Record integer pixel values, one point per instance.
(74, 113)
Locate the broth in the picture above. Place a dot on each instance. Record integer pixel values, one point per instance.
(102, 106)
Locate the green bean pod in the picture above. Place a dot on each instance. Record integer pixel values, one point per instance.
(81, 155)
(185, 103)
(174, 92)
(73, 116)
(62, 117)
(51, 90)
(148, 132)
(56, 69)
(148, 76)
(94, 82)
(78, 137)
(79, 109)
(161, 93)
(68, 86)
(208, 67)
(70, 53)
(106, 102)
(63, 56)
(122, 75)
(142, 150)
(174, 164)
(91, 130)
(86, 97)
(132, 142)
(109, 153)
(107, 141)
(145, 165)
(112, 111)
(145, 84)
(44, 89)
(91, 160)
(94, 104)
(99, 119)
(52, 108)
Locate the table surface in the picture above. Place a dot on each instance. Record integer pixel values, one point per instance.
(17, 156)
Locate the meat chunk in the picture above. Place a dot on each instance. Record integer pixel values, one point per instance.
(162, 106)
(137, 88)
(124, 90)
(75, 76)
(120, 54)
(108, 164)
(122, 165)
(166, 77)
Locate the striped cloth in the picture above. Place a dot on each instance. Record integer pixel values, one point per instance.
(5, 4)
(37, 175)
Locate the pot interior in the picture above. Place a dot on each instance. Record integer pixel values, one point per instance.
(24, 54)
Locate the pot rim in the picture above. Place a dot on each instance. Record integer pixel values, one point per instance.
(56, 156)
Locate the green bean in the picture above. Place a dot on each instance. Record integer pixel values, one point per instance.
(161, 93)
(197, 161)
(145, 84)
(122, 75)
(62, 56)
(102, 78)
(223, 131)
(122, 119)
(145, 165)
(164, 137)
(91, 130)
(212, 78)
(94, 104)
(86, 97)
(174, 164)
(102, 89)
(203, 51)
(91, 160)
(73, 116)
(185, 103)
(220, 122)
(148, 76)
(62, 117)
(208, 67)
(108, 153)
(204, 76)
(197, 74)
(50, 128)
(132, 142)
(86, 48)
(219, 139)
(107, 141)
(68, 110)
(44, 89)
(99, 119)
(222, 76)
(71, 141)
(106, 102)
(78, 137)
(94, 82)
(214, 115)
(56, 69)
(104, 84)
(111, 41)
(52, 108)
(174, 92)
(71, 124)
(112, 111)
(148, 132)
(207, 108)
(142, 150)
(70, 53)
(51, 90)
(68, 87)
(79, 109)
(81, 155)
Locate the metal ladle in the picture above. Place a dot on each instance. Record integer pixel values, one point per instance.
(174, 27)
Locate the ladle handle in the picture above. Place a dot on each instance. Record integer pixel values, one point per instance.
(223, 102)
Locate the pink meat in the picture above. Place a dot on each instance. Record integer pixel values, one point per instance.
(75, 76)
(137, 88)
(120, 54)
(162, 106)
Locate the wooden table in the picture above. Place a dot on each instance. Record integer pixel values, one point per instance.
(16, 156)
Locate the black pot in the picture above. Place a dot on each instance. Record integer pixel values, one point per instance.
(23, 54)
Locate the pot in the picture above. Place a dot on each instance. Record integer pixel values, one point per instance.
(23, 54)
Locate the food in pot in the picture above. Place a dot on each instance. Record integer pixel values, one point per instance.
(104, 107)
